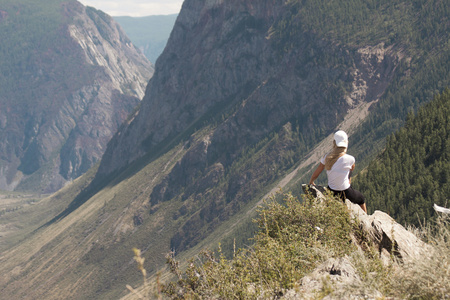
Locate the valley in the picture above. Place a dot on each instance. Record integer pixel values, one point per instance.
(13, 203)
(183, 155)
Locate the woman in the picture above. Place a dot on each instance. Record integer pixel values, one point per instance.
(339, 166)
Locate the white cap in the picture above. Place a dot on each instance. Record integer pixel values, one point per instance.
(341, 139)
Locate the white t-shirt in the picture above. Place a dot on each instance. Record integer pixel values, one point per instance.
(338, 175)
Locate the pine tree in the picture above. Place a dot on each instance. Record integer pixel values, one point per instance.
(412, 173)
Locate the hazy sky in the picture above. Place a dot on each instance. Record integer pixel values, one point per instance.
(136, 8)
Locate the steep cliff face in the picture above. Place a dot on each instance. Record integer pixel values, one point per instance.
(81, 80)
(225, 58)
(227, 69)
(225, 62)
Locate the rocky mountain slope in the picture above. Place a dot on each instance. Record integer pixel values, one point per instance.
(228, 62)
(70, 77)
(243, 99)
(265, 81)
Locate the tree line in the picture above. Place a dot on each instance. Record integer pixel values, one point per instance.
(413, 171)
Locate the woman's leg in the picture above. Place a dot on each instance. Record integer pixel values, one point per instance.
(363, 207)
(356, 197)
(338, 194)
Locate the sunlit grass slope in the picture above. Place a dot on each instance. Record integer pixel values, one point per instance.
(74, 257)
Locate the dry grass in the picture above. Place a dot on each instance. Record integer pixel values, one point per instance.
(66, 259)
(294, 237)
(428, 277)
(285, 251)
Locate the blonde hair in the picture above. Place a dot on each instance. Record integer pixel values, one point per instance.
(334, 155)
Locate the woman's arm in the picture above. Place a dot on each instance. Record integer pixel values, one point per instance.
(350, 174)
(316, 173)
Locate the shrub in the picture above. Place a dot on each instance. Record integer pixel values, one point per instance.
(293, 238)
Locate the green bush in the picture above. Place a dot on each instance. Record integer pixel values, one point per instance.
(293, 238)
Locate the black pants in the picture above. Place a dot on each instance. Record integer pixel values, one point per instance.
(353, 195)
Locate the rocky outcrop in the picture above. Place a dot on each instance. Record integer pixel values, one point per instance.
(86, 86)
(394, 243)
(389, 237)
(381, 230)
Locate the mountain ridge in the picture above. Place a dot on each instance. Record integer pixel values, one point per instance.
(84, 77)
(158, 135)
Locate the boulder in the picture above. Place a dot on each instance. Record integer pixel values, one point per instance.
(382, 231)
(391, 238)
(316, 191)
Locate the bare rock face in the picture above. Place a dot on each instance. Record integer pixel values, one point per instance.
(389, 236)
(223, 59)
(86, 86)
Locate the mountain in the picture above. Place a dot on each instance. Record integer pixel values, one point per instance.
(244, 99)
(69, 77)
(149, 34)
(263, 84)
